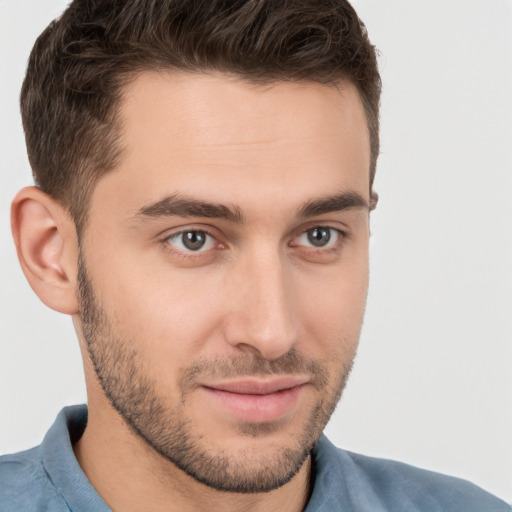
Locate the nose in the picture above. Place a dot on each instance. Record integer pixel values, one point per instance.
(263, 313)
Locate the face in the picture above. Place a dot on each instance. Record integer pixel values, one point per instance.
(223, 271)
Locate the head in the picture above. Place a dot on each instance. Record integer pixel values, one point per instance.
(82, 61)
(209, 171)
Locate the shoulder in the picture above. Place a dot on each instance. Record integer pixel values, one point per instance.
(26, 485)
(373, 484)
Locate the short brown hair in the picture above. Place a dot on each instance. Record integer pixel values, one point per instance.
(81, 61)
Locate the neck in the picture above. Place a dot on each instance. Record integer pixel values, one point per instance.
(130, 476)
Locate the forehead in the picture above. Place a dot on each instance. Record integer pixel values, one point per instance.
(218, 136)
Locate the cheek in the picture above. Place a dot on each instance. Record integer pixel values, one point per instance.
(333, 304)
(173, 316)
(167, 315)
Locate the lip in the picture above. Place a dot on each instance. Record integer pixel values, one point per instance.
(259, 387)
(256, 400)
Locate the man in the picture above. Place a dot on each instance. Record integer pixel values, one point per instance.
(205, 178)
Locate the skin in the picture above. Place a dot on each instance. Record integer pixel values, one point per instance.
(258, 291)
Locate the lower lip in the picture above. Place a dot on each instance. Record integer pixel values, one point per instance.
(257, 408)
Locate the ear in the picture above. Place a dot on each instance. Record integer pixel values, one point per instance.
(47, 246)
(374, 199)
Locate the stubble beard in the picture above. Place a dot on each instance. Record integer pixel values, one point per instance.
(131, 391)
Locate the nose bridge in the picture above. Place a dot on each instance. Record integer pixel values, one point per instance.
(264, 316)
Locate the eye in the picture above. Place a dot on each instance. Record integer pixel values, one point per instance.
(192, 241)
(319, 237)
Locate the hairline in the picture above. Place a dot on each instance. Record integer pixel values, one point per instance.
(125, 78)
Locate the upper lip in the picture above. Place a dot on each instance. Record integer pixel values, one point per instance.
(256, 386)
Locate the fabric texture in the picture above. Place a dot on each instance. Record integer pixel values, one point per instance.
(49, 478)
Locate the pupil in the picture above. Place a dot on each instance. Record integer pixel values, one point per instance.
(319, 236)
(194, 240)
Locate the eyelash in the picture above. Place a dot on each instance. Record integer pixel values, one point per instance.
(342, 236)
(183, 253)
(332, 247)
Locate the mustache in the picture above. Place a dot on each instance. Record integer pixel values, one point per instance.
(254, 365)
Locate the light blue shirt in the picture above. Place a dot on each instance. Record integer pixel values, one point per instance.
(49, 478)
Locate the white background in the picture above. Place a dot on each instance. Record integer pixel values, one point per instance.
(432, 384)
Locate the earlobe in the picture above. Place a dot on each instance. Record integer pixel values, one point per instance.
(47, 248)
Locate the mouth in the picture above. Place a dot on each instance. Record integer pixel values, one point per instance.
(256, 400)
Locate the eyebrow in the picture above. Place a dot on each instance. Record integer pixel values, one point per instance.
(335, 203)
(182, 206)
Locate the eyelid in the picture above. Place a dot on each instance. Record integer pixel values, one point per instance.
(332, 244)
(219, 242)
(185, 228)
(177, 238)
(188, 253)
